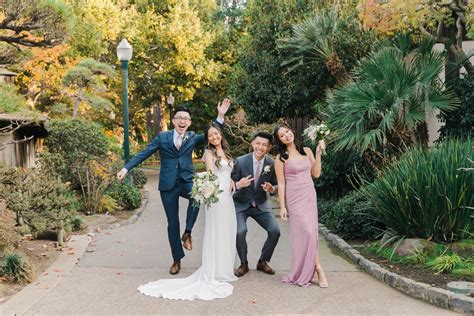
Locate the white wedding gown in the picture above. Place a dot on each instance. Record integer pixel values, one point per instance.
(210, 281)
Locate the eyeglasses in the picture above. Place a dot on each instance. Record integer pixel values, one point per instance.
(181, 118)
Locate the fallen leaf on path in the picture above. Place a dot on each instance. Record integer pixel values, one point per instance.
(58, 270)
(3, 279)
(97, 229)
(30, 249)
(45, 246)
(108, 233)
(119, 273)
(71, 253)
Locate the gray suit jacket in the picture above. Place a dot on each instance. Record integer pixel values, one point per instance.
(243, 197)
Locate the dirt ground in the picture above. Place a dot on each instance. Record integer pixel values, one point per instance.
(43, 252)
(418, 274)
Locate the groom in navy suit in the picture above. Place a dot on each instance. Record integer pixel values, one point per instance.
(176, 175)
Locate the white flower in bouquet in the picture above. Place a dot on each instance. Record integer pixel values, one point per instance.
(205, 188)
(316, 133)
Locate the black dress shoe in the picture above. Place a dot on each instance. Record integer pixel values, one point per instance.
(187, 243)
(175, 267)
(244, 268)
(264, 267)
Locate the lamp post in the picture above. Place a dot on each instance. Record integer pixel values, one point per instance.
(170, 101)
(124, 54)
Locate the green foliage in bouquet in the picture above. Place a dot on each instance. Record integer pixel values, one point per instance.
(205, 189)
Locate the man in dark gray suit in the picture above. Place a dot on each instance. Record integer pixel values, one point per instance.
(254, 176)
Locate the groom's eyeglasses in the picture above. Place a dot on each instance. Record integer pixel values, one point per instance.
(182, 118)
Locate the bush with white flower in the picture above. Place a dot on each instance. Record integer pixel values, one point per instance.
(315, 133)
(205, 188)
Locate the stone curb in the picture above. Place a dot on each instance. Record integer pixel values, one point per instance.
(136, 215)
(434, 295)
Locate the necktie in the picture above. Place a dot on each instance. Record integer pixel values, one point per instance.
(257, 173)
(179, 141)
(255, 179)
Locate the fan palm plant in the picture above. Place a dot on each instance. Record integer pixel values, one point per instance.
(382, 111)
(313, 41)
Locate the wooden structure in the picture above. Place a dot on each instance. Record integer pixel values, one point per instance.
(20, 139)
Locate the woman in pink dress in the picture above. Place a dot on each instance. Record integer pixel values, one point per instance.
(294, 167)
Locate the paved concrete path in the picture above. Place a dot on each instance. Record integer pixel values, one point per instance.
(105, 281)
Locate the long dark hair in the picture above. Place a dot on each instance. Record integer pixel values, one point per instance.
(212, 148)
(281, 148)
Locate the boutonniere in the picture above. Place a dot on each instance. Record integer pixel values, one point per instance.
(267, 169)
(185, 138)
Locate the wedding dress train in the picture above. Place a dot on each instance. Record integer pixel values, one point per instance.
(210, 281)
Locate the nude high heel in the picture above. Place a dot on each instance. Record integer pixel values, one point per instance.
(322, 281)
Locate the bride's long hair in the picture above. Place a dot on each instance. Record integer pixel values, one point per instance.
(212, 148)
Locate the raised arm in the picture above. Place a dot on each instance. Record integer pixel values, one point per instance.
(222, 108)
(315, 161)
(280, 175)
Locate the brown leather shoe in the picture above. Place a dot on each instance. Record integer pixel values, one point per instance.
(244, 268)
(187, 243)
(175, 267)
(264, 267)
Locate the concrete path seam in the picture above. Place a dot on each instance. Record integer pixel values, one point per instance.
(434, 295)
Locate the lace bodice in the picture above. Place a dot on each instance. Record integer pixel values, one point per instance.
(223, 173)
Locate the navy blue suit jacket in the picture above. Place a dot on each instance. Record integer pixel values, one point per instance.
(174, 163)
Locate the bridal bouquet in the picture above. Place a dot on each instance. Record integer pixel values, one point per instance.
(315, 133)
(205, 188)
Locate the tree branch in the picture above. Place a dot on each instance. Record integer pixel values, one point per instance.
(25, 139)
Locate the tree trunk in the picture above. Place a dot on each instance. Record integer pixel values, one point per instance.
(163, 120)
(76, 105)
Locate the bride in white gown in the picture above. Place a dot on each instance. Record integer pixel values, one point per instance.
(210, 281)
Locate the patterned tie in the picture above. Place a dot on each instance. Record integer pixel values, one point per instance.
(257, 173)
(179, 141)
(255, 179)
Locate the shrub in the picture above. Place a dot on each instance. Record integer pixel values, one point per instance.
(77, 223)
(460, 121)
(76, 141)
(139, 177)
(339, 174)
(127, 196)
(94, 178)
(445, 263)
(107, 205)
(10, 101)
(44, 202)
(16, 268)
(426, 194)
(350, 217)
(7, 231)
